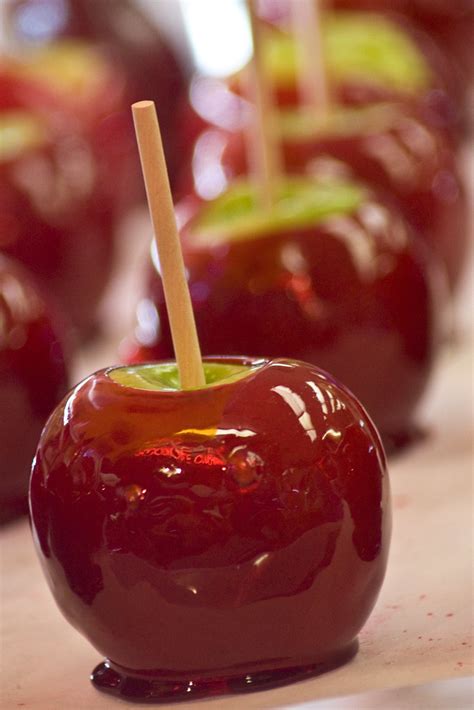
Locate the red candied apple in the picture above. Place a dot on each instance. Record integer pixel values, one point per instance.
(451, 24)
(55, 218)
(93, 91)
(371, 58)
(225, 538)
(368, 59)
(383, 145)
(401, 156)
(32, 380)
(330, 275)
(127, 37)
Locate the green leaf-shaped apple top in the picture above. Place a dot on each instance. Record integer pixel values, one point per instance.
(357, 46)
(301, 202)
(164, 376)
(338, 121)
(20, 131)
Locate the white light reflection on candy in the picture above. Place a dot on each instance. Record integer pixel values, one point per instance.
(260, 559)
(170, 471)
(297, 405)
(330, 403)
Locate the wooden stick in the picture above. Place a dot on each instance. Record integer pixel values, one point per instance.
(160, 203)
(312, 75)
(267, 161)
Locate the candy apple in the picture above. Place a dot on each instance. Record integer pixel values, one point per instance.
(450, 23)
(93, 91)
(384, 145)
(216, 539)
(397, 154)
(370, 58)
(127, 37)
(32, 380)
(54, 216)
(330, 275)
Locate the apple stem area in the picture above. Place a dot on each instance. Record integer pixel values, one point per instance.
(160, 203)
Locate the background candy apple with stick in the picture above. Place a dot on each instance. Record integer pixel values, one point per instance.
(315, 267)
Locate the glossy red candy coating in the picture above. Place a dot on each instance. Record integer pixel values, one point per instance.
(406, 161)
(207, 534)
(32, 381)
(355, 295)
(55, 218)
(412, 166)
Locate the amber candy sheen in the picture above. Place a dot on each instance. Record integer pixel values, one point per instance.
(217, 539)
(32, 381)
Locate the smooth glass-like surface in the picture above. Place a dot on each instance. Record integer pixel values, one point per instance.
(218, 539)
(32, 381)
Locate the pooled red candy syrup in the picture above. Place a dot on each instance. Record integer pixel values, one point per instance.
(403, 159)
(55, 217)
(33, 379)
(217, 540)
(353, 293)
(138, 52)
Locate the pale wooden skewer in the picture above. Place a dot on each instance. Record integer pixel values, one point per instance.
(160, 203)
(266, 155)
(314, 92)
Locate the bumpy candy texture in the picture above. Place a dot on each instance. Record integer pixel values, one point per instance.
(32, 381)
(218, 539)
